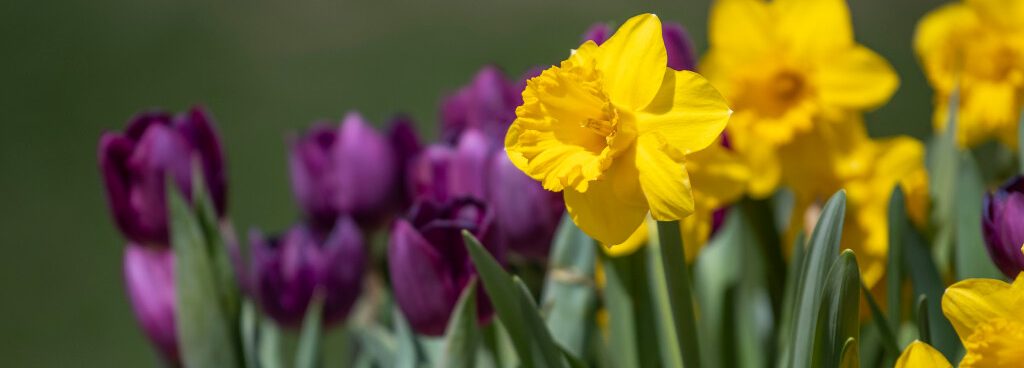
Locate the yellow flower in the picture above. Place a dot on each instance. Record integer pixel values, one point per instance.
(977, 46)
(785, 67)
(841, 156)
(611, 127)
(921, 355)
(718, 177)
(988, 315)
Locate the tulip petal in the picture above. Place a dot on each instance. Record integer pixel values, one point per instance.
(613, 207)
(632, 61)
(687, 112)
(857, 78)
(664, 179)
(422, 287)
(921, 355)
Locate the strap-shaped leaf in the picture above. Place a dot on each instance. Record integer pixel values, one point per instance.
(838, 317)
(569, 297)
(462, 334)
(307, 354)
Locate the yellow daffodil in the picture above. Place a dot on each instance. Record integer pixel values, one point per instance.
(921, 355)
(976, 46)
(841, 156)
(612, 126)
(718, 177)
(988, 315)
(786, 66)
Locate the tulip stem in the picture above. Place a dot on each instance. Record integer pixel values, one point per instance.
(677, 279)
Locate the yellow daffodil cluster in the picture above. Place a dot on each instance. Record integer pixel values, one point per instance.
(612, 127)
(988, 315)
(977, 48)
(799, 84)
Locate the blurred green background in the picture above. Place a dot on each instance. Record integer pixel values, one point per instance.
(72, 69)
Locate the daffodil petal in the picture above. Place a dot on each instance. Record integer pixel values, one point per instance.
(633, 61)
(857, 78)
(921, 355)
(695, 230)
(813, 28)
(687, 112)
(664, 180)
(718, 176)
(740, 27)
(635, 241)
(970, 302)
(613, 207)
(937, 41)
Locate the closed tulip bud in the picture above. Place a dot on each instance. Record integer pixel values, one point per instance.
(149, 281)
(430, 265)
(677, 43)
(1002, 223)
(441, 173)
(527, 215)
(488, 104)
(289, 270)
(349, 170)
(136, 164)
(406, 145)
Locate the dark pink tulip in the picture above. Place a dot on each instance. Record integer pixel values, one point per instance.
(287, 271)
(149, 281)
(429, 264)
(135, 165)
(1002, 224)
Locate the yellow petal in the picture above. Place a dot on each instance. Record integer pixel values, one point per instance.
(687, 112)
(938, 42)
(969, 303)
(813, 28)
(613, 206)
(856, 79)
(741, 28)
(695, 230)
(765, 168)
(1007, 14)
(664, 179)
(635, 241)
(718, 176)
(921, 355)
(633, 61)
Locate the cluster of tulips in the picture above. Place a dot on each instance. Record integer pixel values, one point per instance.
(633, 205)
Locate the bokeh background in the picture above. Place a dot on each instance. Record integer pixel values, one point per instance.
(72, 69)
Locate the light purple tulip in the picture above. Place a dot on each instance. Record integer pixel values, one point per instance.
(149, 282)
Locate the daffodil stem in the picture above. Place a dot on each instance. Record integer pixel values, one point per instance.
(677, 279)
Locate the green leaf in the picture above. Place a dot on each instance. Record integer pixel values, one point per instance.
(569, 297)
(850, 356)
(269, 344)
(885, 330)
(250, 334)
(207, 335)
(923, 325)
(462, 334)
(838, 317)
(573, 361)
(677, 280)
(621, 277)
(378, 345)
(926, 280)
(530, 343)
(658, 305)
(972, 260)
(894, 269)
(787, 320)
(550, 351)
(822, 250)
(407, 353)
(308, 353)
(942, 161)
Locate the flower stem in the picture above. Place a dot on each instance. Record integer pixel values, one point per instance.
(677, 279)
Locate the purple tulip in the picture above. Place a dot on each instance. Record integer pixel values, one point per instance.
(149, 281)
(677, 43)
(406, 145)
(287, 271)
(441, 172)
(429, 264)
(488, 104)
(1002, 223)
(135, 165)
(349, 170)
(527, 215)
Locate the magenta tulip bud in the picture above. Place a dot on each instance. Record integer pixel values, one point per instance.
(1002, 224)
(136, 164)
(488, 104)
(149, 281)
(677, 43)
(288, 271)
(527, 215)
(406, 145)
(442, 173)
(430, 266)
